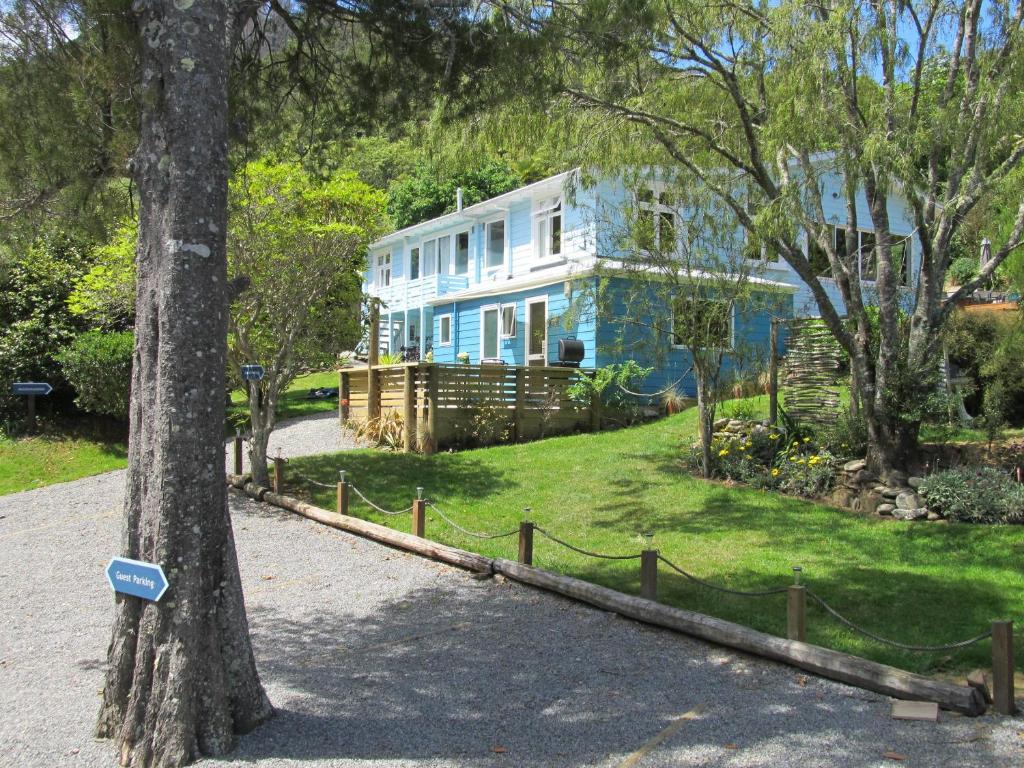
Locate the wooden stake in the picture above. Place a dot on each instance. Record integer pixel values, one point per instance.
(238, 451)
(278, 473)
(419, 518)
(430, 441)
(796, 613)
(1002, 667)
(526, 543)
(409, 410)
(342, 500)
(649, 574)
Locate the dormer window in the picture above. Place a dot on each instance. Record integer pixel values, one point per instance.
(549, 228)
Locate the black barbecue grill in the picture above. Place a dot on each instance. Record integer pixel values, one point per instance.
(570, 352)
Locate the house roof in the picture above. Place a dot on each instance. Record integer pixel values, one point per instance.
(477, 210)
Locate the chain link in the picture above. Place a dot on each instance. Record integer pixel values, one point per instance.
(718, 588)
(567, 545)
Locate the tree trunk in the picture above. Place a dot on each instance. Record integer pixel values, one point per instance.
(181, 678)
(705, 421)
(262, 416)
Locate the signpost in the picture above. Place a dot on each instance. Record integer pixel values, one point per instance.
(30, 389)
(253, 372)
(134, 577)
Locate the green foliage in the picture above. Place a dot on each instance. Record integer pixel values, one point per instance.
(975, 495)
(847, 438)
(384, 431)
(963, 269)
(608, 383)
(34, 320)
(105, 295)
(99, 366)
(428, 192)
(803, 469)
(481, 423)
(989, 349)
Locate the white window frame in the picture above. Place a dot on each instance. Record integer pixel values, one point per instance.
(440, 329)
(455, 246)
(419, 263)
(494, 268)
(497, 341)
(423, 257)
(657, 208)
(383, 273)
(502, 334)
(732, 327)
(547, 210)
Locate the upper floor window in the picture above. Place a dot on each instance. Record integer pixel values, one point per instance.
(444, 255)
(414, 263)
(863, 257)
(495, 243)
(384, 270)
(429, 257)
(656, 221)
(462, 253)
(549, 228)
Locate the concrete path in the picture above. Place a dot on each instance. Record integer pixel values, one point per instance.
(377, 658)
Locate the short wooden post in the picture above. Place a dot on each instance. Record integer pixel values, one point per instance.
(278, 473)
(344, 397)
(409, 411)
(1002, 667)
(649, 574)
(430, 439)
(238, 451)
(595, 411)
(342, 501)
(31, 416)
(373, 351)
(526, 543)
(419, 515)
(773, 373)
(520, 405)
(372, 393)
(796, 613)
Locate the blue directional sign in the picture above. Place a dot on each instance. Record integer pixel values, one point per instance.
(252, 372)
(31, 388)
(134, 577)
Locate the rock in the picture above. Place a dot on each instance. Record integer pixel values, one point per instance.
(910, 514)
(933, 516)
(760, 429)
(915, 482)
(886, 509)
(720, 424)
(734, 425)
(921, 513)
(909, 500)
(896, 477)
(854, 466)
(844, 497)
(864, 477)
(892, 491)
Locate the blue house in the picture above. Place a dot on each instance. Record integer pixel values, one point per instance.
(501, 280)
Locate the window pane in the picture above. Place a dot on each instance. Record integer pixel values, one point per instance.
(542, 236)
(868, 269)
(446, 329)
(429, 257)
(508, 321)
(414, 263)
(462, 253)
(495, 243)
(899, 261)
(556, 234)
(491, 333)
(444, 254)
(645, 196)
(701, 323)
(839, 240)
(817, 257)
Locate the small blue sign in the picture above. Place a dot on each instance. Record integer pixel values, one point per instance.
(134, 577)
(252, 372)
(31, 388)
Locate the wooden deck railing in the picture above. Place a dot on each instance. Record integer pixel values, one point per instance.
(437, 399)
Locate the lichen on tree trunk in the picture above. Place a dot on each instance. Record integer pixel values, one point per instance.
(181, 678)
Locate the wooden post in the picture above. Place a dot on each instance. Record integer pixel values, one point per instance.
(238, 451)
(649, 574)
(520, 405)
(342, 501)
(1002, 667)
(526, 543)
(372, 393)
(595, 412)
(344, 396)
(278, 474)
(409, 412)
(773, 374)
(419, 515)
(373, 352)
(796, 613)
(430, 439)
(31, 412)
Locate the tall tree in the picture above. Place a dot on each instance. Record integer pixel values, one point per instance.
(761, 102)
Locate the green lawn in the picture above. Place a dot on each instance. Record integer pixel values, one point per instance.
(915, 582)
(32, 462)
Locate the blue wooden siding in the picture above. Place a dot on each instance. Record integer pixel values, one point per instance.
(466, 317)
(618, 340)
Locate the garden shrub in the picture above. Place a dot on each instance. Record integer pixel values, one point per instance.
(975, 495)
(803, 469)
(480, 423)
(99, 366)
(385, 431)
(848, 437)
(963, 269)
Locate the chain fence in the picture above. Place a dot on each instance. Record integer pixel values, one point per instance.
(474, 534)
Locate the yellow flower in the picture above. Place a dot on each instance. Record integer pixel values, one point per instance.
(775, 472)
(792, 458)
(807, 439)
(724, 452)
(796, 443)
(749, 444)
(773, 436)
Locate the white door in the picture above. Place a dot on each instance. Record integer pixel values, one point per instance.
(537, 331)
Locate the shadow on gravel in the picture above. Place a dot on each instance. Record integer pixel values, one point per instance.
(473, 675)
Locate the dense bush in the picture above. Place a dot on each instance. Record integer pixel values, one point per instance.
(480, 423)
(963, 269)
(975, 495)
(803, 469)
(848, 437)
(99, 366)
(989, 349)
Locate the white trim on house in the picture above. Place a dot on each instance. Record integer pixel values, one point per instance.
(543, 356)
(440, 329)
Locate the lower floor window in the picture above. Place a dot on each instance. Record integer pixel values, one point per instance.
(446, 329)
(489, 333)
(701, 323)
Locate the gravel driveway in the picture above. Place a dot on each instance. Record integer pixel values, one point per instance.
(317, 433)
(377, 658)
